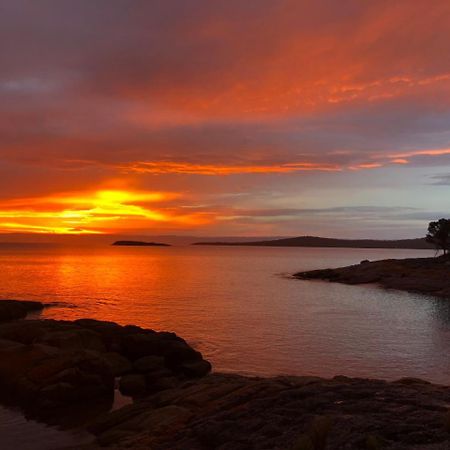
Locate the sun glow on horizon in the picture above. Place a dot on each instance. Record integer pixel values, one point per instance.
(98, 212)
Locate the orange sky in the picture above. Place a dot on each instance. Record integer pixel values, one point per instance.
(280, 117)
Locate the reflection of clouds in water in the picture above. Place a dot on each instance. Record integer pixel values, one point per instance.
(17, 432)
(233, 305)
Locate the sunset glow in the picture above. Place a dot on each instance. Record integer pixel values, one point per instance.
(90, 213)
(232, 118)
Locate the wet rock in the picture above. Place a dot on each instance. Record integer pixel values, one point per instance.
(424, 275)
(76, 339)
(36, 374)
(17, 309)
(132, 384)
(195, 369)
(25, 332)
(138, 345)
(179, 354)
(53, 367)
(118, 364)
(149, 364)
(233, 412)
(110, 332)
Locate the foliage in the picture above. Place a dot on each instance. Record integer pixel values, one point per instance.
(439, 234)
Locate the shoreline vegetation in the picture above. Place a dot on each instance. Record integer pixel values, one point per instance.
(420, 275)
(314, 241)
(65, 373)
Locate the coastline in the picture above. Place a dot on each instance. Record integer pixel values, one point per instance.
(178, 405)
(428, 276)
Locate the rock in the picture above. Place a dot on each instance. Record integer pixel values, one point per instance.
(10, 346)
(149, 364)
(179, 354)
(118, 364)
(53, 368)
(424, 275)
(155, 376)
(162, 383)
(195, 369)
(35, 374)
(233, 412)
(25, 332)
(110, 332)
(132, 384)
(17, 309)
(75, 339)
(138, 345)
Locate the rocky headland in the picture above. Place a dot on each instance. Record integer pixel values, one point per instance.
(422, 275)
(67, 373)
(316, 241)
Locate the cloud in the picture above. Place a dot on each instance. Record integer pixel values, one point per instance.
(441, 180)
(195, 97)
(97, 212)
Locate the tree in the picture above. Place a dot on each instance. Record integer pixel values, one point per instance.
(439, 235)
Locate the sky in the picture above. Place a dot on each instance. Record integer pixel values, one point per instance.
(208, 117)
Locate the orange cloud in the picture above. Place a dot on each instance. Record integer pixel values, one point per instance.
(92, 213)
(426, 152)
(373, 165)
(167, 167)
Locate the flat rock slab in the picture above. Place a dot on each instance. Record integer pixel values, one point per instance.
(423, 275)
(229, 412)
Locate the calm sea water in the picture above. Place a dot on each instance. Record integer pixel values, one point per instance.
(240, 308)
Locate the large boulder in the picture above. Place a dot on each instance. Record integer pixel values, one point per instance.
(74, 339)
(17, 309)
(118, 364)
(51, 365)
(149, 364)
(138, 345)
(179, 354)
(41, 377)
(195, 369)
(132, 384)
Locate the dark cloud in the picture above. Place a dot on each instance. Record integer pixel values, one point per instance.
(441, 180)
(92, 88)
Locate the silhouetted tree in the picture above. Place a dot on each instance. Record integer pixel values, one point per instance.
(439, 234)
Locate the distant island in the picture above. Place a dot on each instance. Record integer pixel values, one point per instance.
(314, 241)
(140, 244)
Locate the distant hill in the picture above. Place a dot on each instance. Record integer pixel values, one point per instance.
(140, 244)
(314, 241)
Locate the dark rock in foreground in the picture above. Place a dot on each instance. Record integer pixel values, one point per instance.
(49, 367)
(422, 275)
(58, 369)
(231, 412)
(17, 309)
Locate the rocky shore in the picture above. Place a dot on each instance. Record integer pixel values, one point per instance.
(422, 275)
(65, 373)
